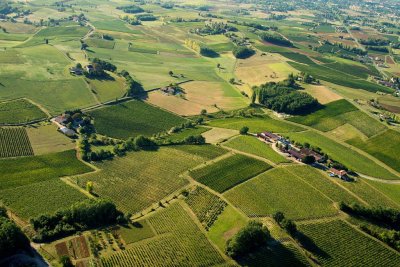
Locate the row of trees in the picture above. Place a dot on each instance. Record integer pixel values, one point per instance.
(131, 9)
(275, 38)
(82, 216)
(243, 52)
(384, 223)
(200, 48)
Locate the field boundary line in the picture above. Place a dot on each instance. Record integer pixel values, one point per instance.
(221, 196)
(196, 221)
(70, 183)
(249, 155)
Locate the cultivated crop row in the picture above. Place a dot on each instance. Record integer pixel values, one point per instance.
(179, 243)
(348, 248)
(14, 142)
(229, 172)
(206, 206)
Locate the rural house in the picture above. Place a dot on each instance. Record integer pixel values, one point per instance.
(342, 174)
(270, 137)
(68, 132)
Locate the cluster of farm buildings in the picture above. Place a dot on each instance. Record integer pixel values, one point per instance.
(299, 154)
(68, 124)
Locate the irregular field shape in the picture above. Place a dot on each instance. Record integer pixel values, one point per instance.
(349, 247)
(279, 190)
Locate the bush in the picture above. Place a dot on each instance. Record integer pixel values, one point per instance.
(242, 52)
(244, 130)
(253, 236)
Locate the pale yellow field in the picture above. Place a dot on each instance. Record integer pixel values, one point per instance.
(177, 105)
(322, 93)
(346, 132)
(213, 94)
(216, 135)
(258, 69)
(46, 139)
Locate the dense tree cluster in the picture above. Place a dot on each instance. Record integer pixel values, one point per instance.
(11, 237)
(132, 9)
(146, 17)
(99, 68)
(254, 25)
(386, 219)
(275, 38)
(375, 42)
(214, 28)
(242, 52)
(282, 97)
(386, 216)
(79, 217)
(250, 238)
(382, 49)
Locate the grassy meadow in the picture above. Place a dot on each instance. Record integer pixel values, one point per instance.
(252, 145)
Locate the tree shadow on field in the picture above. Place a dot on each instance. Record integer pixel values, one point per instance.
(310, 245)
(275, 254)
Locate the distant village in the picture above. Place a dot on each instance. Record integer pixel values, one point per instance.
(303, 154)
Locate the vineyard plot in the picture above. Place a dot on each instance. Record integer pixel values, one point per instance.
(179, 242)
(336, 243)
(279, 190)
(14, 142)
(205, 205)
(229, 172)
(139, 179)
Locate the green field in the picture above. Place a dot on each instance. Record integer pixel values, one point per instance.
(39, 168)
(337, 113)
(134, 233)
(343, 154)
(392, 191)
(349, 247)
(140, 179)
(252, 145)
(14, 142)
(40, 198)
(205, 205)
(369, 194)
(280, 190)
(338, 77)
(229, 172)
(227, 224)
(256, 124)
(384, 146)
(178, 242)
(133, 118)
(19, 111)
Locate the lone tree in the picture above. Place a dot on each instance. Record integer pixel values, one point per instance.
(203, 112)
(308, 160)
(89, 187)
(244, 130)
(171, 73)
(253, 236)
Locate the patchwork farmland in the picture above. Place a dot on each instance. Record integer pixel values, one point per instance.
(199, 133)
